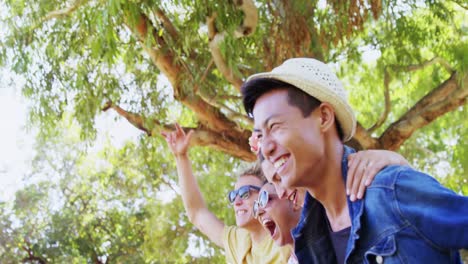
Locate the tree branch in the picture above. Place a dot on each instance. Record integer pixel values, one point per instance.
(218, 131)
(216, 38)
(31, 257)
(168, 184)
(57, 14)
(235, 144)
(424, 64)
(134, 119)
(250, 18)
(231, 114)
(445, 98)
(202, 79)
(171, 29)
(221, 64)
(388, 105)
(462, 5)
(365, 138)
(228, 97)
(409, 68)
(165, 59)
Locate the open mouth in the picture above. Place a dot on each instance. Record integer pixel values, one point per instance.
(293, 197)
(241, 212)
(280, 162)
(270, 226)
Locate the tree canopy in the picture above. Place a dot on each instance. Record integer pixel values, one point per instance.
(403, 63)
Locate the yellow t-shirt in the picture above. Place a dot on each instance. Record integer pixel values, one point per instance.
(240, 249)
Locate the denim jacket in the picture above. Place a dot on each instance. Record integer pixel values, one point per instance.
(405, 217)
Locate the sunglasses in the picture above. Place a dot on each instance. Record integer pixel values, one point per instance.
(261, 202)
(243, 192)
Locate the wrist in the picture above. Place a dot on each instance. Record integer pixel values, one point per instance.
(181, 156)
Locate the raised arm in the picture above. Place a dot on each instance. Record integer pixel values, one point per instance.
(364, 165)
(194, 204)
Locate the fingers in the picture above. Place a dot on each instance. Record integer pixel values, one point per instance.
(364, 166)
(368, 174)
(373, 168)
(357, 179)
(351, 172)
(167, 136)
(189, 137)
(361, 171)
(179, 130)
(171, 139)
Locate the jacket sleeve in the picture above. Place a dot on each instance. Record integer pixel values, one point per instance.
(439, 214)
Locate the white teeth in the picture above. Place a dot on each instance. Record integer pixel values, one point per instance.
(266, 221)
(279, 162)
(241, 212)
(292, 197)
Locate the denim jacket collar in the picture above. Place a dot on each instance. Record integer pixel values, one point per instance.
(355, 208)
(313, 219)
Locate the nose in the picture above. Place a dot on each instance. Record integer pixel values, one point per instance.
(260, 212)
(237, 200)
(267, 146)
(280, 190)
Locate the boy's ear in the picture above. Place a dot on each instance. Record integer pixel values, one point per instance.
(327, 117)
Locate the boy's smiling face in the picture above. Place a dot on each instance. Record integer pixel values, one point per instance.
(294, 144)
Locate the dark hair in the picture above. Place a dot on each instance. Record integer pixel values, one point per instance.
(254, 89)
(256, 171)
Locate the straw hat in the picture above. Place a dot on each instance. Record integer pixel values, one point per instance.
(315, 78)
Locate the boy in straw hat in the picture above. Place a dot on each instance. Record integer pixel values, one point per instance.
(302, 118)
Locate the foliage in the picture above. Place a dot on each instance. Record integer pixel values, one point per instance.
(110, 205)
(404, 64)
(152, 60)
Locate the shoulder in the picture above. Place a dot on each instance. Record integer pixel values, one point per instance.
(237, 243)
(407, 184)
(268, 251)
(395, 175)
(236, 239)
(235, 234)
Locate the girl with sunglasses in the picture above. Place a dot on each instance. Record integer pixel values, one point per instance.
(278, 216)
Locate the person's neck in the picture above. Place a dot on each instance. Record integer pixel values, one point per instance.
(331, 190)
(257, 234)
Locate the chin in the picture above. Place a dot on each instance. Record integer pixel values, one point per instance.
(289, 183)
(243, 222)
(280, 242)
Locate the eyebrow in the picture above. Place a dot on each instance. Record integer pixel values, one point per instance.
(266, 121)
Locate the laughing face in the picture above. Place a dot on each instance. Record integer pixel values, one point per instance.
(243, 207)
(278, 216)
(294, 144)
(283, 193)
